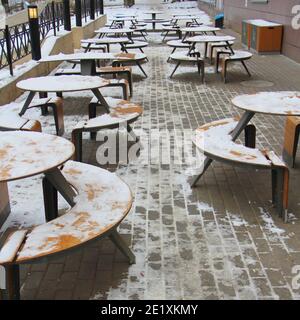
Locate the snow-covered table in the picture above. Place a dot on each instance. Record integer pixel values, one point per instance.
(105, 41)
(202, 29)
(114, 31)
(87, 60)
(280, 103)
(71, 83)
(210, 39)
(25, 154)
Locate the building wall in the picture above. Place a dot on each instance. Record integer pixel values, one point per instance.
(275, 10)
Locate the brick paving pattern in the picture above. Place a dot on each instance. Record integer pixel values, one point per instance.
(221, 240)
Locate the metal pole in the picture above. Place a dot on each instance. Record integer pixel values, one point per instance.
(67, 17)
(78, 11)
(101, 7)
(8, 49)
(92, 9)
(53, 17)
(34, 30)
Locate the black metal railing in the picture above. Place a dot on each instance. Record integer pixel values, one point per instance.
(15, 41)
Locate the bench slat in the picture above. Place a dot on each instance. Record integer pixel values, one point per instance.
(11, 246)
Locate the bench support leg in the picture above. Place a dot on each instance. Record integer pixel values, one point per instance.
(13, 281)
(245, 119)
(122, 246)
(207, 163)
(246, 68)
(77, 141)
(250, 136)
(291, 140)
(50, 200)
(280, 186)
(141, 68)
(176, 67)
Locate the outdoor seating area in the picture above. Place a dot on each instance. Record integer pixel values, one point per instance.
(157, 159)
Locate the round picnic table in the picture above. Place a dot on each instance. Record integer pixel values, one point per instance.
(202, 29)
(280, 103)
(114, 31)
(154, 13)
(210, 39)
(25, 154)
(61, 84)
(105, 41)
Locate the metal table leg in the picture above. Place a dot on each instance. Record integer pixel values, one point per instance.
(101, 99)
(27, 103)
(59, 182)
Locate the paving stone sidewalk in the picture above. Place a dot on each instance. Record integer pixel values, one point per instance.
(222, 240)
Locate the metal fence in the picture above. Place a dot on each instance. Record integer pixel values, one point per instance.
(15, 41)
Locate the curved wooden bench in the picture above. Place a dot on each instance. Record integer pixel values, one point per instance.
(212, 46)
(125, 59)
(215, 141)
(103, 200)
(181, 57)
(291, 139)
(238, 55)
(177, 44)
(120, 113)
(11, 120)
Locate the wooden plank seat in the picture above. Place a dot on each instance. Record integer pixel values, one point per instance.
(103, 200)
(130, 59)
(183, 57)
(215, 141)
(120, 113)
(291, 139)
(217, 45)
(228, 57)
(21, 123)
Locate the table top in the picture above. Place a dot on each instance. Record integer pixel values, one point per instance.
(153, 12)
(69, 83)
(105, 40)
(24, 154)
(186, 17)
(79, 56)
(201, 29)
(123, 19)
(113, 30)
(284, 103)
(211, 38)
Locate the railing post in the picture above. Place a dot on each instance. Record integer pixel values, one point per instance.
(34, 30)
(92, 9)
(78, 10)
(67, 17)
(101, 7)
(53, 17)
(8, 48)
